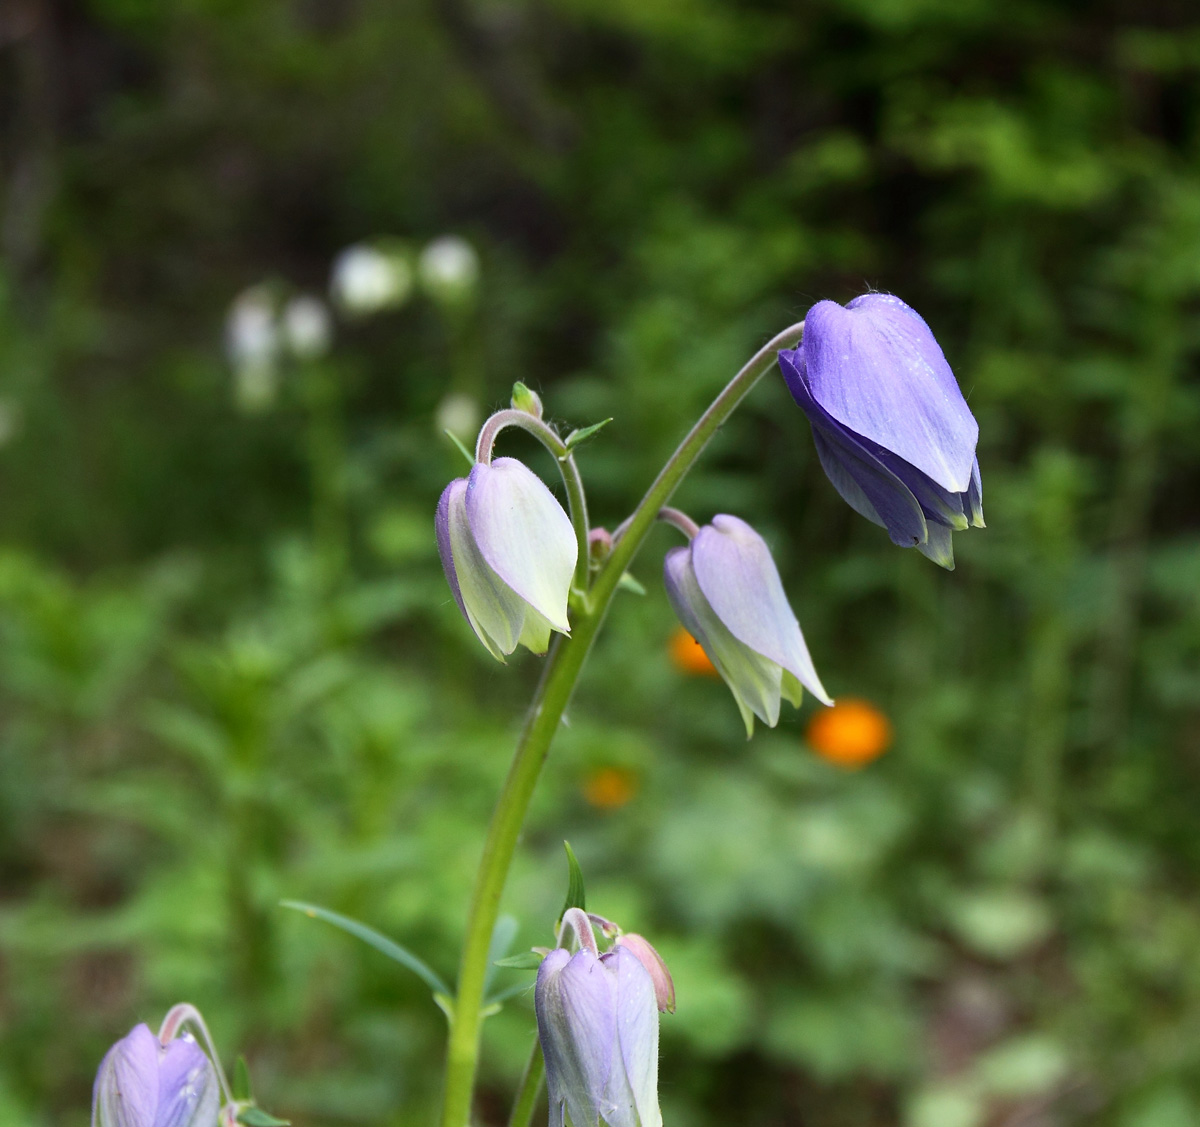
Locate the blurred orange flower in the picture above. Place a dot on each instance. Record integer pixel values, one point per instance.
(850, 734)
(610, 788)
(688, 656)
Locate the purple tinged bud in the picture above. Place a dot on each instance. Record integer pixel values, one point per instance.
(726, 591)
(143, 1083)
(892, 430)
(509, 551)
(598, 1025)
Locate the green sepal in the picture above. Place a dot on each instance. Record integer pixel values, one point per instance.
(529, 960)
(628, 583)
(583, 434)
(458, 444)
(241, 1081)
(256, 1117)
(576, 897)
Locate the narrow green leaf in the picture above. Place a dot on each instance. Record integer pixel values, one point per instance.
(241, 1081)
(373, 938)
(529, 960)
(575, 894)
(256, 1117)
(579, 436)
(503, 935)
(628, 583)
(461, 448)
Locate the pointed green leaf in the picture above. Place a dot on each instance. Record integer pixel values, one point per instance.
(575, 894)
(256, 1117)
(529, 960)
(576, 437)
(241, 1081)
(373, 938)
(460, 447)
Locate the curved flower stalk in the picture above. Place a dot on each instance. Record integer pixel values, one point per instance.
(726, 591)
(509, 553)
(892, 430)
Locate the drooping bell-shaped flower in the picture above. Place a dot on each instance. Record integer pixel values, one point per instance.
(509, 553)
(893, 432)
(598, 1025)
(726, 590)
(144, 1083)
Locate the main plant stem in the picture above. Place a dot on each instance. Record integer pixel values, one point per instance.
(549, 702)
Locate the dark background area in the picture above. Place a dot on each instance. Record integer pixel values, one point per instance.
(231, 672)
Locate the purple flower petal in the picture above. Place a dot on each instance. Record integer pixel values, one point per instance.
(524, 534)
(575, 1002)
(738, 577)
(634, 1099)
(189, 1095)
(868, 486)
(875, 367)
(127, 1084)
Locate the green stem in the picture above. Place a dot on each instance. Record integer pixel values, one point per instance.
(576, 498)
(541, 724)
(531, 1085)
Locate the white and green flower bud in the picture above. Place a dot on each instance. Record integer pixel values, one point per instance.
(726, 590)
(509, 551)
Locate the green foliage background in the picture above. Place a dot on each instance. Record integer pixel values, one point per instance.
(997, 923)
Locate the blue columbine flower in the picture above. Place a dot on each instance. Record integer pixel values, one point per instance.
(726, 591)
(509, 551)
(891, 427)
(143, 1083)
(597, 1021)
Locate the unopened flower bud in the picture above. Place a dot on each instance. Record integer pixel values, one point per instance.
(893, 432)
(726, 590)
(598, 1026)
(527, 400)
(509, 554)
(144, 1083)
(368, 279)
(448, 269)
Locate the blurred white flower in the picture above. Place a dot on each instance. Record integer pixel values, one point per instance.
(367, 280)
(252, 342)
(459, 414)
(448, 268)
(307, 327)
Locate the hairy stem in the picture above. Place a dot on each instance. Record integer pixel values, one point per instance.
(541, 724)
